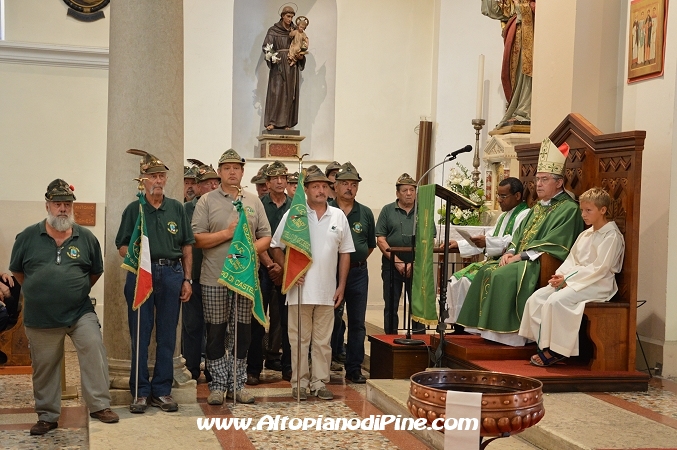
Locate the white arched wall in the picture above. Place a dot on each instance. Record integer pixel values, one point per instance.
(462, 34)
(252, 18)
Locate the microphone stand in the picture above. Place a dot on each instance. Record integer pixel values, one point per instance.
(441, 326)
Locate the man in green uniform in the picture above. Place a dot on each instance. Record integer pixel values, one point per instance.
(170, 240)
(292, 182)
(395, 228)
(275, 203)
(57, 262)
(495, 301)
(362, 228)
(260, 181)
(189, 183)
(192, 319)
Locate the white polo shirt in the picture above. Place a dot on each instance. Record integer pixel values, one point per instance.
(329, 236)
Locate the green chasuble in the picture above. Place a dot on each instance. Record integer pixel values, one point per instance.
(471, 270)
(497, 295)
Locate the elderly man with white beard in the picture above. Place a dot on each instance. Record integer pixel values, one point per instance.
(57, 262)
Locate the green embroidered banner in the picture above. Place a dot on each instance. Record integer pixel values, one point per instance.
(240, 269)
(296, 236)
(423, 301)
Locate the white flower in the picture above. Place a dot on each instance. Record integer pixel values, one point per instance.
(268, 48)
(466, 183)
(268, 56)
(458, 213)
(274, 58)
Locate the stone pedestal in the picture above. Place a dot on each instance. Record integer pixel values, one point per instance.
(501, 162)
(280, 144)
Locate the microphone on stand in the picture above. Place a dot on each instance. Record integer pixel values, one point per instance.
(452, 155)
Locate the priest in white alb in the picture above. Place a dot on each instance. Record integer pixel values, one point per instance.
(493, 243)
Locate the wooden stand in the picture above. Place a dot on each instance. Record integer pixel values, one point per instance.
(14, 344)
(394, 361)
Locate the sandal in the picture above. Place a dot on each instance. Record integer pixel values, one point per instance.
(545, 361)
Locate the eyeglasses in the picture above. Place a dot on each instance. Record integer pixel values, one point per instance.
(543, 180)
(504, 196)
(58, 255)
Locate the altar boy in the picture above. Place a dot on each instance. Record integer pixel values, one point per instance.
(553, 314)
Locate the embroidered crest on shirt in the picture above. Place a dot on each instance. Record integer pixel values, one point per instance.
(172, 227)
(73, 252)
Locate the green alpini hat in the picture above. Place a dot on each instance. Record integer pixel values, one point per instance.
(231, 156)
(348, 172)
(59, 191)
(149, 163)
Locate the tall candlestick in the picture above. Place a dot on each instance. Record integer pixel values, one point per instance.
(480, 88)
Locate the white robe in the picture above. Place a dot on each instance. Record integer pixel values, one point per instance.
(495, 246)
(553, 317)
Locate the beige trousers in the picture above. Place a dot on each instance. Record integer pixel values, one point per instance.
(46, 354)
(317, 323)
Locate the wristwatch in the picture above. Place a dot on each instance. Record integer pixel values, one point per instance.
(188, 280)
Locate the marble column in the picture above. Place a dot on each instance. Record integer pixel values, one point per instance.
(145, 111)
(578, 61)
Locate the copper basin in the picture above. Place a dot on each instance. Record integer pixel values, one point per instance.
(510, 403)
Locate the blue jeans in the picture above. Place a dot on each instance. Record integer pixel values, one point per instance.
(193, 331)
(338, 333)
(355, 301)
(392, 302)
(255, 354)
(161, 308)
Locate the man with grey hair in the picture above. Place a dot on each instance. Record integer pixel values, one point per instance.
(497, 295)
(57, 262)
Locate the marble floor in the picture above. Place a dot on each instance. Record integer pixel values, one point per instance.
(641, 420)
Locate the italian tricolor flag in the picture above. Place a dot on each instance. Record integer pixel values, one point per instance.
(137, 259)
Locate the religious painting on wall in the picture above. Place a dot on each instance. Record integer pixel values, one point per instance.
(646, 55)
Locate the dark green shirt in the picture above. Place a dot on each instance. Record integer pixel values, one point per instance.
(56, 282)
(363, 228)
(273, 213)
(197, 252)
(168, 228)
(398, 228)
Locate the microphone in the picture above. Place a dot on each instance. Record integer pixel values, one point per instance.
(466, 149)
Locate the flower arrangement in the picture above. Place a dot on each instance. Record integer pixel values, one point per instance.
(460, 181)
(270, 55)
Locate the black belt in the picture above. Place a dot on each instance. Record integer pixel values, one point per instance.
(165, 262)
(358, 264)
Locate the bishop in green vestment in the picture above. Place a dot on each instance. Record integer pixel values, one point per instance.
(496, 298)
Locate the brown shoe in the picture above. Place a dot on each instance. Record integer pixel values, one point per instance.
(105, 416)
(42, 427)
(139, 406)
(165, 403)
(252, 380)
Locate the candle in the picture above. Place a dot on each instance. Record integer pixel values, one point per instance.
(480, 88)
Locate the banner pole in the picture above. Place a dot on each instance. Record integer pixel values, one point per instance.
(138, 327)
(235, 296)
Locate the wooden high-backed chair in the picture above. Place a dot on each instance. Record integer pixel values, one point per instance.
(614, 163)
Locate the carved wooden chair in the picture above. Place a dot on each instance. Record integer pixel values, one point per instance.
(613, 162)
(14, 343)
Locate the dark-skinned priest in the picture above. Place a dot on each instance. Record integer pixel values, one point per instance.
(495, 301)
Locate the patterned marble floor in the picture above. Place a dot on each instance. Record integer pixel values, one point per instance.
(273, 396)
